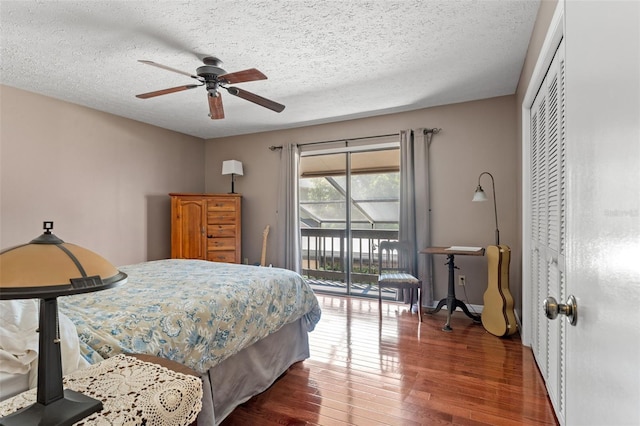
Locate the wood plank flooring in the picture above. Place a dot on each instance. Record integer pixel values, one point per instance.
(363, 371)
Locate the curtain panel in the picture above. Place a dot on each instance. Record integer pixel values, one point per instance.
(288, 234)
(414, 225)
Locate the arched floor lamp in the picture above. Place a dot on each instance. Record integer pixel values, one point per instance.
(480, 195)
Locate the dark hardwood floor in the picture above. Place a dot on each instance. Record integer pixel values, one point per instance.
(396, 372)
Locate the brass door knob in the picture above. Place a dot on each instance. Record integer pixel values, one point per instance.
(552, 309)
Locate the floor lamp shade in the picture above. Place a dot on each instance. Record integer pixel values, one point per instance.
(44, 269)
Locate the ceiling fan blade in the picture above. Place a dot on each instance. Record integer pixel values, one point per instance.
(216, 111)
(251, 74)
(164, 67)
(167, 91)
(252, 97)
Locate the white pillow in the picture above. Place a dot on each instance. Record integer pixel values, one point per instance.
(19, 339)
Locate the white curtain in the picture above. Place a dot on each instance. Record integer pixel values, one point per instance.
(288, 234)
(414, 225)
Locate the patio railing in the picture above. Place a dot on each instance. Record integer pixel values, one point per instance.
(324, 253)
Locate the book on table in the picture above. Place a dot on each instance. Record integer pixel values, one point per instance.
(463, 248)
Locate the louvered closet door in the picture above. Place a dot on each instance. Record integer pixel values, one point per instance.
(547, 227)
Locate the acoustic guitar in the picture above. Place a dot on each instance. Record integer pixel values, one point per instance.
(498, 317)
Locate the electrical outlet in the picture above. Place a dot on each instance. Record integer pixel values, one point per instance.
(462, 280)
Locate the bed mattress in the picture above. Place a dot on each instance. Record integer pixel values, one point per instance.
(194, 312)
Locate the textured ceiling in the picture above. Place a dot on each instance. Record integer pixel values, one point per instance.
(325, 60)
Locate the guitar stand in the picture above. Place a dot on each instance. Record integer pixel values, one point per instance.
(451, 301)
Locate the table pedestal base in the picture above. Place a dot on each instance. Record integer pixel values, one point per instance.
(451, 301)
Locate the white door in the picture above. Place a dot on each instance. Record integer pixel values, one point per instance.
(603, 211)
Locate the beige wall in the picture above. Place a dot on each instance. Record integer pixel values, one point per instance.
(102, 179)
(476, 136)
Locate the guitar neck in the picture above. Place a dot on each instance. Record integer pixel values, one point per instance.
(263, 257)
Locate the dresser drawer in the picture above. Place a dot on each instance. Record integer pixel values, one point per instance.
(222, 256)
(215, 231)
(221, 216)
(221, 244)
(221, 204)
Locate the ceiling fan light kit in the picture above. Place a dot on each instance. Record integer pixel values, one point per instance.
(213, 77)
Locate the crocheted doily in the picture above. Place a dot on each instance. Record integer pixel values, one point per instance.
(133, 392)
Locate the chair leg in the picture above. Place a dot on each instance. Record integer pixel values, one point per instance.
(380, 301)
(419, 304)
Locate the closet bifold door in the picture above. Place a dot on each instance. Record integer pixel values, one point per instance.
(547, 227)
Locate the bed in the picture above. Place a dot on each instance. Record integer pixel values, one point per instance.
(240, 327)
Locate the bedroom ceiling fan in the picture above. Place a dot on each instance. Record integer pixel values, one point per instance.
(213, 77)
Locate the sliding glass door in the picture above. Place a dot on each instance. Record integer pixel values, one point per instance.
(323, 207)
(349, 202)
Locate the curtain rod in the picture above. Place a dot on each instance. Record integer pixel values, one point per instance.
(348, 139)
(273, 148)
(426, 131)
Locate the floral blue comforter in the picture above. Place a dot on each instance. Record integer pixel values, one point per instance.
(194, 312)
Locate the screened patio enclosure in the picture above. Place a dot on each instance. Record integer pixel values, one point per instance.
(348, 203)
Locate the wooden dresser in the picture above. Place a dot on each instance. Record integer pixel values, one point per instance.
(206, 226)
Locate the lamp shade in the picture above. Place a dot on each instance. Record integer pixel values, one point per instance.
(479, 195)
(230, 167)
(49, 267)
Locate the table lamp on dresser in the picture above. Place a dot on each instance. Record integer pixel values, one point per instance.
(233, 168)
(44, 269)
